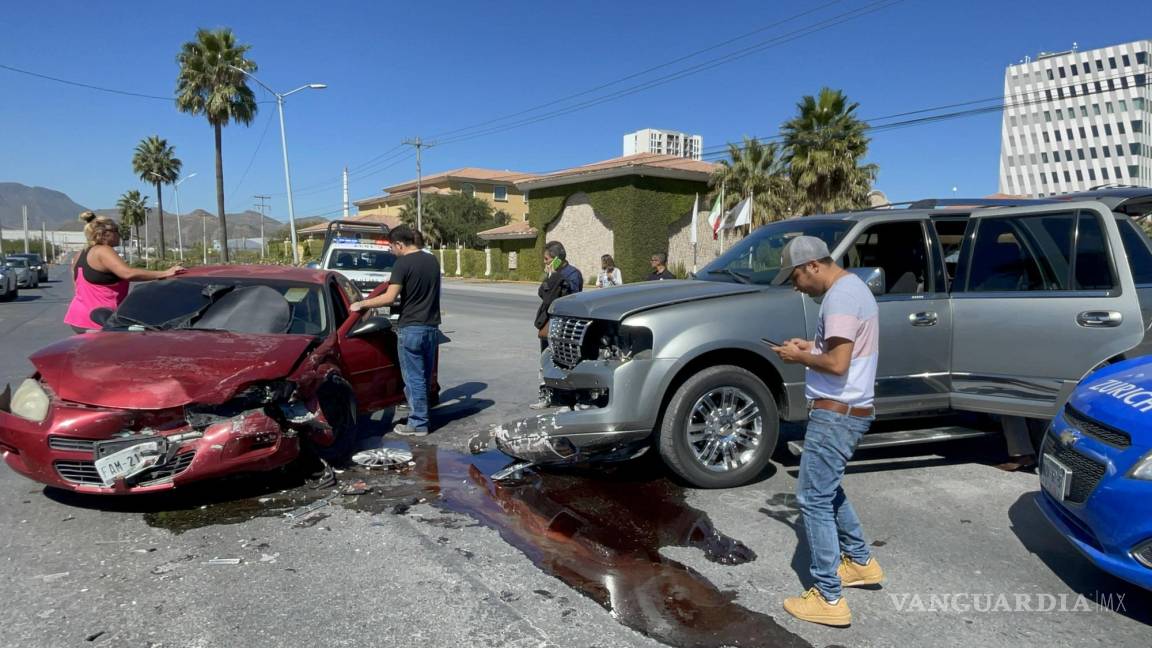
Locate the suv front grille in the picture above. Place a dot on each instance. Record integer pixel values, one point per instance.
(566, 337)
(1086, 473)
(1096, 429)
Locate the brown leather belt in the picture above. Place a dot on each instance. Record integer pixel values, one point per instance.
(841, 408)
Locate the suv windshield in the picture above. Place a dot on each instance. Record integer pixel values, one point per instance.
(17, 262)
(219, 303)
(354, 259)
(756, 259)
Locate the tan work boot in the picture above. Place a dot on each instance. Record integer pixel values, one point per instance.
(853, 574)
(811, 606)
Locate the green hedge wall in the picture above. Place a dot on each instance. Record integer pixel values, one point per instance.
(638, 209)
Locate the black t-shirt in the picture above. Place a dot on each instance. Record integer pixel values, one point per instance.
(657, 276)
(418, 274)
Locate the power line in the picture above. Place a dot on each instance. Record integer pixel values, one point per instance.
(253, 160)
(85, 85)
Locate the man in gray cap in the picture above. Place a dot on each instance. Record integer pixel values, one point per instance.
(840, 380)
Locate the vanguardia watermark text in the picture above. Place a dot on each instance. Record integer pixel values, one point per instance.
(965, 602)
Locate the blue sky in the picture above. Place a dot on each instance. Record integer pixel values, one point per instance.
(398, 69)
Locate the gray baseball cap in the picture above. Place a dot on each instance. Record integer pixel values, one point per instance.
(801, 250)
(798, 251)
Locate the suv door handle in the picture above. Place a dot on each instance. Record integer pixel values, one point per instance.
(1099, 319)
(927, 318)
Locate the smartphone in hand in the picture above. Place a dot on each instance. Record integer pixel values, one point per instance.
(771, 343)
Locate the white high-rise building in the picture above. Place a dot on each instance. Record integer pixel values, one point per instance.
(663, 142)
(1078, 119)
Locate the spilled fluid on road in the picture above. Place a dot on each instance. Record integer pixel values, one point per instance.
(599, 532)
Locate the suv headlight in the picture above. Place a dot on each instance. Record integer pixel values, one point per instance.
(31, 401)
(621, 342)
(1143, 468)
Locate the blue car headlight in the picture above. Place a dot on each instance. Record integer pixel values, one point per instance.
(1142, 469)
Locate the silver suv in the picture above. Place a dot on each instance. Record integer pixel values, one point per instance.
(985, 307)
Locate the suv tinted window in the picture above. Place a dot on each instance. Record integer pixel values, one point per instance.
(756, 259)
(1034, 253)
(1136, 247)
(898, 248)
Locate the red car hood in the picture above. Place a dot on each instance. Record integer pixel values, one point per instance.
(157, 370)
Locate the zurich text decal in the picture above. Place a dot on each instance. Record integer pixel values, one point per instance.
(1131, 395)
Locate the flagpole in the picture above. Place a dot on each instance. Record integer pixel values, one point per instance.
(695, 211)
(723, 213)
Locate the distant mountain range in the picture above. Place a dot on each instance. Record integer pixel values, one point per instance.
(59, 212)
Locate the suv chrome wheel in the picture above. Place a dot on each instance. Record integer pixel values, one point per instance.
(724, 429)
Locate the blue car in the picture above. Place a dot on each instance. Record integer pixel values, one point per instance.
(1096, 470)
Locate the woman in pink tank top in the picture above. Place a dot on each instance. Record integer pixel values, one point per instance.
(100, 274)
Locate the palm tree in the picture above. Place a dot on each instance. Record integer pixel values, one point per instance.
(155, 162)
(432, 222)
(824, 144)
(212, 84)
(755, 169)
(132, 208)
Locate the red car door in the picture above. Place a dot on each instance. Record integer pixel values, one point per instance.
(368, 362)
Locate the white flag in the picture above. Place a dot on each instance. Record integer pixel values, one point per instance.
(714, 216)
(739, 215)
(695, 210)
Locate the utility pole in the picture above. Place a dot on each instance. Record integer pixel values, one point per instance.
(261, 206)
(25, 229)
(345, 193)
(43, 242)
(419, 144)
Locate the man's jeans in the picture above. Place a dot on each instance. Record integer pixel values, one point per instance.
(830, 522)
(417, 358)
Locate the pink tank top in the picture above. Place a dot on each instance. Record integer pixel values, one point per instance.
(90, 296)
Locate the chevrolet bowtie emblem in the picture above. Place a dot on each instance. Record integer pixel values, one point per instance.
(1068, 438)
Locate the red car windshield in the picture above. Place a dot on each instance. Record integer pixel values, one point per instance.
(225, 304)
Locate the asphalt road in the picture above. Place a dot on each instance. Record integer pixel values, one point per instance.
(438, 556)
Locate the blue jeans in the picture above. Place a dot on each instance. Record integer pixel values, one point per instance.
(830, 522)
(417, 358)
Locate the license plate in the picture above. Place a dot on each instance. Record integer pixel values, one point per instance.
(1055, 477)
(130, 461)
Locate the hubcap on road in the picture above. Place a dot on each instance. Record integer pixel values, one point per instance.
(724, 429)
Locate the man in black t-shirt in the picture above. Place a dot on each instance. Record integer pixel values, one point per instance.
(416, 281)
(660, 268)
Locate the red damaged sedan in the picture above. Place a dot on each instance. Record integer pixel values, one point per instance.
(218, 371)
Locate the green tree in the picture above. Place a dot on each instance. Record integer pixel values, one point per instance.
(755, 169)
(824, 144)
(155, 161)
(212, 83)
(132, 207)
(455, 218)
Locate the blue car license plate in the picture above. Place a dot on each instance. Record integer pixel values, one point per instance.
(1055, 477)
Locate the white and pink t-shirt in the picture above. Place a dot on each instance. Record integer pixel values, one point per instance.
(848, 311)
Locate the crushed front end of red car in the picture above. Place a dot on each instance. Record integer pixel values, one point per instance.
(120, 413)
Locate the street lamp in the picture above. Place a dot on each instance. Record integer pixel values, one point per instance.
(284, 148)
(179, 233)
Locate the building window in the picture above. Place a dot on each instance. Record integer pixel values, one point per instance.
(1117, 174)
(1044, 157)
(1142, 58)
(1107, 129)
(1079, 175)
(1133, 170)
(1123, 105)
(1138, 103)
(1082, 133)
(1099, 88)
(1134, 148)
(468, 189)
(1140, 79)
(1055, 178)
(1099, 65)
(1060, 92)
(1112, 66)
(1111, 84)
(1057, 134)
(1048, 95)
(1120, 128)
(1108, 107)
(1124, 82)
(1104, 174)
(1095, 131)
(1137, 125)
(1080, 154)
(1074, 72)
(1072, 91)
(1092, 174)
(1093, 152)
(1107, 151)
(500, 193)
(1068, 156)
(1047, 116)
(1127, 61)
(1062, 73)
(1084, 88)
(1049, 71)
(1070, 136)
(1084, 109)
(1095, 109)
(1059, 114)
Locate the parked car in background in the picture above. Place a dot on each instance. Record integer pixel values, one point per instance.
(1096, 470)
(35, 263)
(26, 277)
(986, 307)
(9, 286)
(222, 370)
